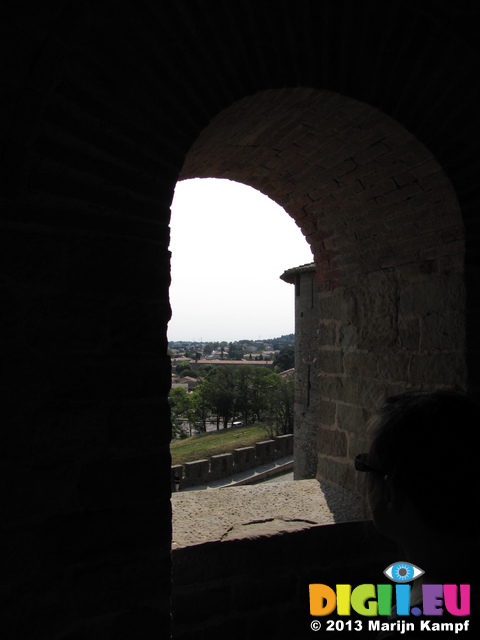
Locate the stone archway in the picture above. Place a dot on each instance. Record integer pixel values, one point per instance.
(101, 103)
(386, 232)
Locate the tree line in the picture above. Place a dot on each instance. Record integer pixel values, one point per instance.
(225, 394)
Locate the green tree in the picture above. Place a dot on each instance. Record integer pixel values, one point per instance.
(221, 394)
(205, 371)
(243, 391)
(208, 348)
(285, 359)
(199, 407)
(235, 351)
(283, 405)
(262, 380)
(179, 410)
(183, 369)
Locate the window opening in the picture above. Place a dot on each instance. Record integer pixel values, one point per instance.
(230, 245)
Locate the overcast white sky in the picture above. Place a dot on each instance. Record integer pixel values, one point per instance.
(230, 244)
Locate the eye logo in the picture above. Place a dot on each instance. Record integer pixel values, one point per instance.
(403, 572)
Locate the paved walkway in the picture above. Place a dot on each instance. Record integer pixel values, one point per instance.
(251, 476)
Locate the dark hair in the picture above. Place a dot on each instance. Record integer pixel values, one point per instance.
(425, 442)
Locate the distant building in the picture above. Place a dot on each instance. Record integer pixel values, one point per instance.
(233, 363)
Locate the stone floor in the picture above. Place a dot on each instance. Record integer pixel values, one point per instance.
(261, 509)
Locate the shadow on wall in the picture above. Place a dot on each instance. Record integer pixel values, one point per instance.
(345, 504)
(259, 587)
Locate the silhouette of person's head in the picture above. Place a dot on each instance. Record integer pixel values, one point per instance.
(424, 467)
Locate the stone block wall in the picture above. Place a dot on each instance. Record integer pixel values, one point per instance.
(389, 331)
(248, 589)
(199, 472)
(244, 458)
(221, 466)
(284, 444)
(265, 451)
(383, 336)
(104, 107)
(306, 370)
(196, 472)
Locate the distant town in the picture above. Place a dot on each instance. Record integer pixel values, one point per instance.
(236, 383)
(274, 351)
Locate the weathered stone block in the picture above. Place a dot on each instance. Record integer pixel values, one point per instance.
(221, 466)
(196, 472)
(377, 311)
(433, 295)
(371, 392)
(244, 458)
(331, 442)
(339, 388)
(330, 361)
(327, 333)
(409, 333)
(265, 450)
(341, 472)
(336, 305)
(360, 363)
(347, 335)
(284, 444)
(327, 412)
(351, 417)
(394, 367)
(439, 368)
(443, 332)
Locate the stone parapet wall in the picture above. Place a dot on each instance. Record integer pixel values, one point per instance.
(244, 458)
(258, 587)
(200, 472)
(221, 466)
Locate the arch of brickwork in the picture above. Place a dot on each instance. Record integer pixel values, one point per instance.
(387, 235)
(101, 103)
(365, 192)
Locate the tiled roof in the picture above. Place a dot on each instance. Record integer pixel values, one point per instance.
(289, 274)
(236, 362)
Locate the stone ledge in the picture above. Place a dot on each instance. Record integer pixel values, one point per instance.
(256, 510)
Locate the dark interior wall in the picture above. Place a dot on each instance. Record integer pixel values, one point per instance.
(100, 104)
(254, 588)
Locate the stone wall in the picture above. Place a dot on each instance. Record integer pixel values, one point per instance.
(369, 143)
(383, 336)
(246, 589)
(306, 369)
(200, 472)
(356, 345)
